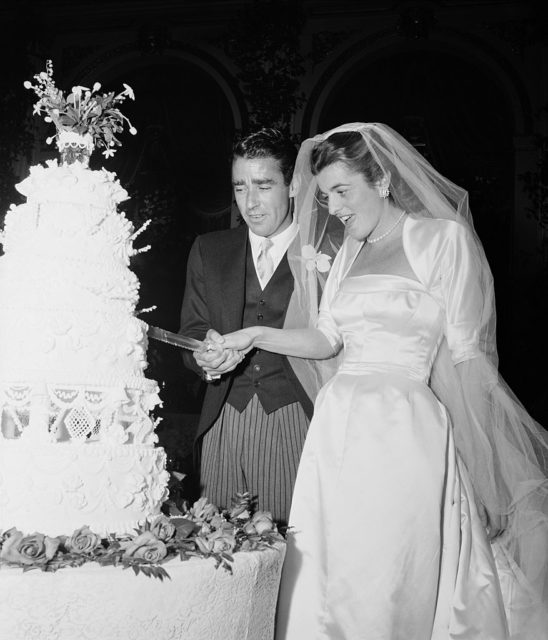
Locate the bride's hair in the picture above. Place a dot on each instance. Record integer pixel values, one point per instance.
(350, 149)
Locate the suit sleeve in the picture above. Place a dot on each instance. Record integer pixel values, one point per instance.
(195, 319)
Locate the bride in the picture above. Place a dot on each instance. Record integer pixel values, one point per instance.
(420, 509)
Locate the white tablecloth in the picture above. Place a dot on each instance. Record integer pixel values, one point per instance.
(91, 602)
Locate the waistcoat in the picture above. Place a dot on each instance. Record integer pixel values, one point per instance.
(262, 372)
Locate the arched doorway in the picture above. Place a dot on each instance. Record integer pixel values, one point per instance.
(455, 115)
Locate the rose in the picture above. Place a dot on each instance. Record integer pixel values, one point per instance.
(220, 541)
(83, 541)
(163, 528)
(33, 549)
(203, 510)
(261, 522)
(223, 541)
(146, 546)
(218, 521)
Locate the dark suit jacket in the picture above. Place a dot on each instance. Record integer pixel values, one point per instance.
(214, 298)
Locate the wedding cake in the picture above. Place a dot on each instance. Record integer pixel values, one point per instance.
(77, 441)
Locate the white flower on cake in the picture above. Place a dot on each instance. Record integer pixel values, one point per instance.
(140, 357)
(72, 482)
(107, 355)
(42, 343)
(115, 434)
(129, 91)
(60, 326)
(130, 489)
(83, 111)
(76, 499)
(134, 331)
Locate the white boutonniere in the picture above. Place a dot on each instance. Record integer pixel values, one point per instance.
(314, 260)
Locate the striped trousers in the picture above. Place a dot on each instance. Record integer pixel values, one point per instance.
(254, 451)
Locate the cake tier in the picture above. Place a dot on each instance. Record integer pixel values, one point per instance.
(113, 415)
(72, 183)
(78, 234)
(70, 213)
(72, 346)
(56, 488)
(51, 274)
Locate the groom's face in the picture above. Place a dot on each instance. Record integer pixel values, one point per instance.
(262, 195)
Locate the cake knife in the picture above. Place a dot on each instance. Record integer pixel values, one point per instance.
(185, 342)
(176, 339)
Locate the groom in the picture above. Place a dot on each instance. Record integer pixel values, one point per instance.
(255, 417)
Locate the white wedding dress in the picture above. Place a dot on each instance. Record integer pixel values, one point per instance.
(387, 543)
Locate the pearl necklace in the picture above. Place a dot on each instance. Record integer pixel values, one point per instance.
(386, 233)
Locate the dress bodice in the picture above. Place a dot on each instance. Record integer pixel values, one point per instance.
(387, 322)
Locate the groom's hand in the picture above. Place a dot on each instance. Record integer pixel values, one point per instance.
(216, 359)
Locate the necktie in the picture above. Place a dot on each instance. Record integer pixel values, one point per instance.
(265, 265)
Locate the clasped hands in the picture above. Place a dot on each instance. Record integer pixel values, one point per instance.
(223, 353)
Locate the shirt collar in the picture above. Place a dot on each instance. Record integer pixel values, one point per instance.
(280, 240)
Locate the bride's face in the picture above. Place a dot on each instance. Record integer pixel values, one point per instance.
(351, 199)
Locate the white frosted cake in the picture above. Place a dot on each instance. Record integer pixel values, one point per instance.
(78, 458)
(77, 441)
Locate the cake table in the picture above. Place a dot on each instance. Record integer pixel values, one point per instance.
(200, 602)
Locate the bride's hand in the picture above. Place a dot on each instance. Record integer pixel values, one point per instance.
(494, 523)
(240, 340)
(215, 359)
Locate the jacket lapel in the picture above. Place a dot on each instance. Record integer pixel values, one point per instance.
(232, 279)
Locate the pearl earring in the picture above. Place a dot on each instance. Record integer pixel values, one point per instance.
(384, 192)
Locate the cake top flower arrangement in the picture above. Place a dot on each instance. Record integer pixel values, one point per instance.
(82, 114)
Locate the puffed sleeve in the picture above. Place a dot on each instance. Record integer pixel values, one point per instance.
(326, 323)
(463, 290)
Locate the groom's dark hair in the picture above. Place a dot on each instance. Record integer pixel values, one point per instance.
(268, 143)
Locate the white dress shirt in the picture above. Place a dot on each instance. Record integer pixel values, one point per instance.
(280, 244)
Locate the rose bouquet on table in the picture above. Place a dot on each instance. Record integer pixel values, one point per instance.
(201, 531)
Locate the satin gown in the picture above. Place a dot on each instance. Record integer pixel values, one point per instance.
(387, 543)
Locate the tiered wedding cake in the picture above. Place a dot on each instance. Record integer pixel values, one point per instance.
(76, 434)
(77, 438)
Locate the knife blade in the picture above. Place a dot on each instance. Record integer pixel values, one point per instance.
(176, 339)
